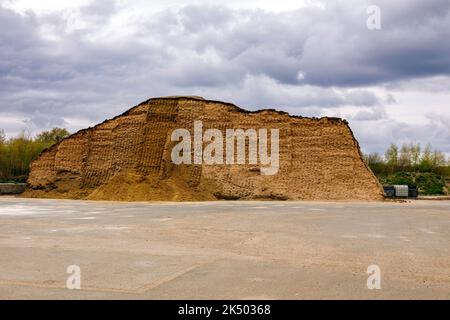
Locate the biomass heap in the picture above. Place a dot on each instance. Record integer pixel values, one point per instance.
(130, 158)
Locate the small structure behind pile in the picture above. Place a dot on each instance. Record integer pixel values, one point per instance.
(401, 191)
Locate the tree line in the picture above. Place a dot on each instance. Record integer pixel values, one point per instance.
(17, 153)
(408, 158)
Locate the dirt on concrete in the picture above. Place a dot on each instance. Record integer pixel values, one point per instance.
(129, 158)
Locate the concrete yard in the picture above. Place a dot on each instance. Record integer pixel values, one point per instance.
(224, 250)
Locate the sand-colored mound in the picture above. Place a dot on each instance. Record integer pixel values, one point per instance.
(129, 158)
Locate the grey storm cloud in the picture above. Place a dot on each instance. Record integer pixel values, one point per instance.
(308, 61)
(212, 46)
(434, 130)
(330, 47)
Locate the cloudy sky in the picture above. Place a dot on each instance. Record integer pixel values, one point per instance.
(75, 63)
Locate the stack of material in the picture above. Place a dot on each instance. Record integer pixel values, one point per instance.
(401, 191)
(129, 158)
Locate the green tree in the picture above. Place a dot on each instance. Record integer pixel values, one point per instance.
(16, 154)
(391, 156)
(438, 159)
(426, 161)
(415, 154)
(405, 157)
(53, 136)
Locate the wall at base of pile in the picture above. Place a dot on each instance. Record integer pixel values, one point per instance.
(12, 188)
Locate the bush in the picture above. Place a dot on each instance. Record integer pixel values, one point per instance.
(405, 178)
(428, 183)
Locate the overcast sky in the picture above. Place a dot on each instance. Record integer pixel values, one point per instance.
(76, 63)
